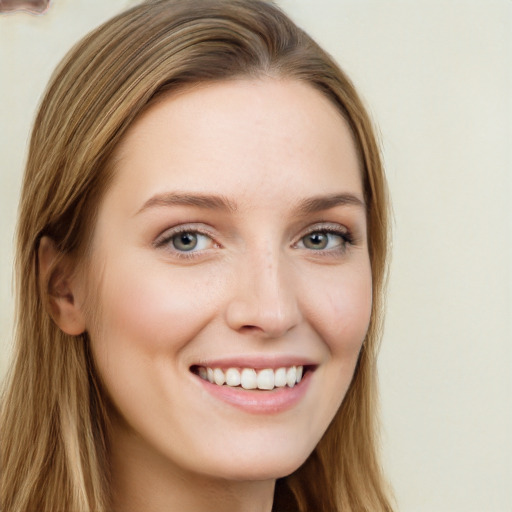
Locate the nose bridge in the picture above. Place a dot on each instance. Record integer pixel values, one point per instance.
(264, 298)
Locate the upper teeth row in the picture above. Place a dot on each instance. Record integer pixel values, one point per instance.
(249, 378)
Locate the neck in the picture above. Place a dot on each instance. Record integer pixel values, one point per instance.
(147, 482)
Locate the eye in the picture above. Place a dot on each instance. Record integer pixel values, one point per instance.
(185, 241)
(324, 240)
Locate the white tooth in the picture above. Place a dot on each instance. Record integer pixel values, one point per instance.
(280, 378)
(202, 373)
(218, 376)
(266, 379)
(291, 376)
(233, 377)
(248, 379)
(300, 369)
(209, 375)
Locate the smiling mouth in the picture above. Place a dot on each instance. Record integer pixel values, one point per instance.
(265, 379)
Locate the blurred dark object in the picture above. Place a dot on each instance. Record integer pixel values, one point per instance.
(30, 6)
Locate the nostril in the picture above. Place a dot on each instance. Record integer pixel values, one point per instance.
(250, 328)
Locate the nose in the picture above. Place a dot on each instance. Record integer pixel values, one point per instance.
(264, 299)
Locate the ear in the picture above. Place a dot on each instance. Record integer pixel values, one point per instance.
(60, 287)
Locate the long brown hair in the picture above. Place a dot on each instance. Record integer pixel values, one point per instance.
(53, 430)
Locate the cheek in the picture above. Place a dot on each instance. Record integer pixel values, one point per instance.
(351, 310)
(154, 306)
(343, 311)
(340, 313)
(145, 321)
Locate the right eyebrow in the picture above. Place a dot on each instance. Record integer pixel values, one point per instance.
(205, 201)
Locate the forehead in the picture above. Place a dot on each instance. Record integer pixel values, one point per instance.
(270, 138)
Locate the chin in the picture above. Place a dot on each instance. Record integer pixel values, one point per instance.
(271, 465)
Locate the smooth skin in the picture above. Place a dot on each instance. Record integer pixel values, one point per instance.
(235, 226)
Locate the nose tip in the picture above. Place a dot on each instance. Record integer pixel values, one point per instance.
(269, 320)
(264, 303)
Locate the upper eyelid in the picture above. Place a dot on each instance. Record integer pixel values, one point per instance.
(326, 226)
(184, 228)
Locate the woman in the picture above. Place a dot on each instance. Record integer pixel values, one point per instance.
(201, 260)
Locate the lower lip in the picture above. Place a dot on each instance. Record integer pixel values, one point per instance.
(259, 402)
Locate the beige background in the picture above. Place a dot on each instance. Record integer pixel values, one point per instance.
(437, 77)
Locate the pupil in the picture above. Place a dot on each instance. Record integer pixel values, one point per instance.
(185, 241)
(317, 240)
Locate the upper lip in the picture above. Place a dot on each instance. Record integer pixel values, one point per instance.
(259, 362)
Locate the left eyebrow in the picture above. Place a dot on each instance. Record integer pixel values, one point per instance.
(320, 203)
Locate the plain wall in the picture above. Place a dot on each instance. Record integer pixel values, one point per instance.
(437, 77)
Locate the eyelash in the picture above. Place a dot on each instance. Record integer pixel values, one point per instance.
(165, 240)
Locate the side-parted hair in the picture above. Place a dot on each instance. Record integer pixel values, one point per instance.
(54, 420)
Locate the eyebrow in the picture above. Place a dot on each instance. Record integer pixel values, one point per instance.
(321, 203)
(218, 202)
(209, 202)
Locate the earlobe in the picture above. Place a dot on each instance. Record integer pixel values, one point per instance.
(59, 288)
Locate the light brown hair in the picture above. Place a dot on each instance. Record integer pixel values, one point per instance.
(54, 423)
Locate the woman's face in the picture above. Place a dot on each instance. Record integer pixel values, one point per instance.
(231, 245)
